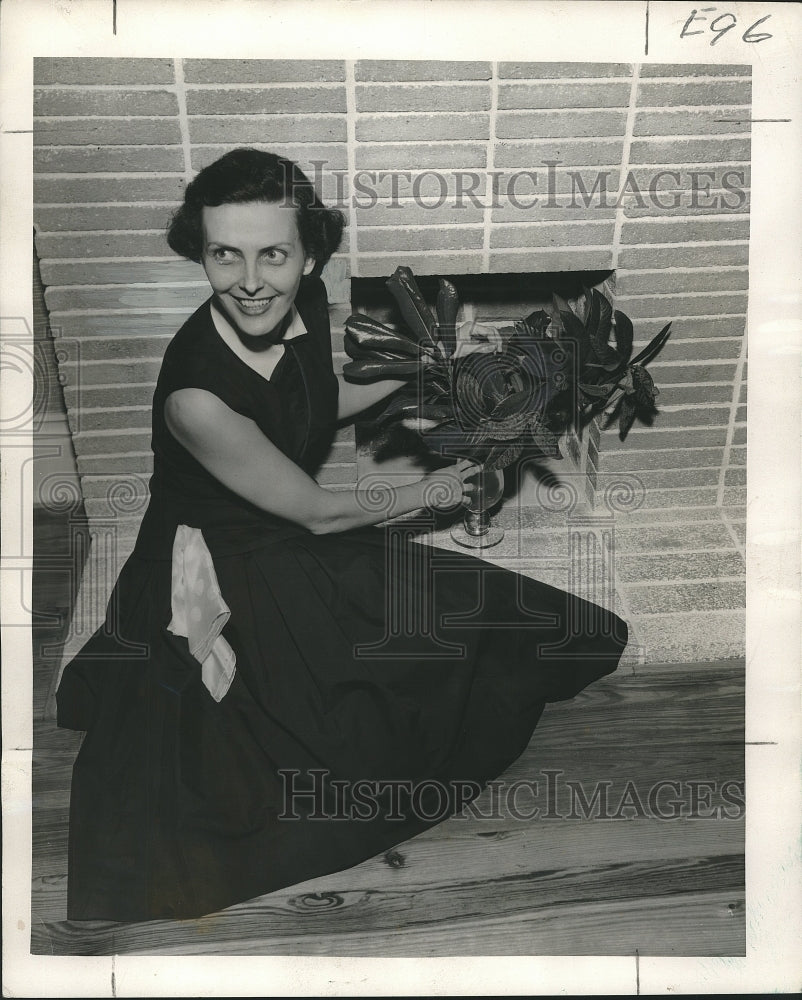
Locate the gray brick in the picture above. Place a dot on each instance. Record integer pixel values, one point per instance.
(690, 151)
(561, 70)
(92, 70)
(392, 70)
(735, 477)
(270, 100)
(740, 414)
(679, 305)
(50, 101)
(544, 209)
(660, 458)
(106, 132)
(539, 236)
(635, 282)
(120, 244)
(412, 156)
(670, 537)
(557, 125)
(339, 473)
(701, 230)
(689, 637)
(705, 121)
(408, 214)
(333, 155)
(662, 178)
(695, 69)
(708, 93)
(678, 351)
(61, 190)
(269, 128)
(396, 128)
(421, 239)
(680, 566)
(102, 217)
(715, 415)
(686, 597)
(563, 95)
(735, 496)
(117, 348)
(264, 70)
(105, 372)
(422, 98)
(738, 456)
(72, 328)
(654, 437)
(594, 152)
(114, 418)
(452, 263)
(668, 257)
(108, 159)
(88, 272)
(139, 394)
(114, 465)
(564, 260)
(666, 205)
(153, 297)
(657, 479)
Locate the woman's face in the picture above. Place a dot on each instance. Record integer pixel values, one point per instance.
(254, 260)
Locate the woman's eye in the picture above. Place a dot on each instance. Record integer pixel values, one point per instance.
(275, 256)
(223, 256)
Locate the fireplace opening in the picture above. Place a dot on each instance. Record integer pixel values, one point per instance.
(490, 299)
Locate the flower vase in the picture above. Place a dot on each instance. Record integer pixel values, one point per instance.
(477, 530)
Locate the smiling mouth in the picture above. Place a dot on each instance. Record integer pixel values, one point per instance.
(253, 306)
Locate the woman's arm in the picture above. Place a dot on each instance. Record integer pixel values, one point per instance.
(233, 449)
(356, 397)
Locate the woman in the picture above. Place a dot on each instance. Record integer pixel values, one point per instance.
(251, 720)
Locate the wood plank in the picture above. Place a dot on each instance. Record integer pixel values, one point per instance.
(693, 924)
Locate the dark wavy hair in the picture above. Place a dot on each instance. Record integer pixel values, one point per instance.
(245, 175)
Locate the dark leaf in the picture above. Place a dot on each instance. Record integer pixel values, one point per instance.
(513, 405)
(537, 323)
(447, 309)
(599, 391)
(502, 455)
(626, 415)
(367, 370)
(592, 314)
(654, 347)
(644, 388)
(417, 315)
(624, 335)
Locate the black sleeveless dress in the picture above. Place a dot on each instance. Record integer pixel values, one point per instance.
(379, 681)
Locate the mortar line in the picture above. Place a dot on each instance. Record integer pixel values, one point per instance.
(350, 146)
(183, 120)
(736, 541)
(632, 111)
(734, 405)
(490, 166)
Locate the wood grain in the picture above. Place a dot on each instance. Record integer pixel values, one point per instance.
(493, 883)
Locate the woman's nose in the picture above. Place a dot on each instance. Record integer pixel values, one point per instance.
(251, 281)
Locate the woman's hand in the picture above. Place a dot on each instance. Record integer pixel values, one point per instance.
(446, 488)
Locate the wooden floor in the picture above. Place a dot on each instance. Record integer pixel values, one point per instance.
(488, 884)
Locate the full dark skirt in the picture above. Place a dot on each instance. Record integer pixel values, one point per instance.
(362, 658)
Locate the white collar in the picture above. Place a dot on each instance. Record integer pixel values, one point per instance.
(296, 327)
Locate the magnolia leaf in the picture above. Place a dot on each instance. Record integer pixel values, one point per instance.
(626, 415)
(537, 323)
(654, 347)
(624, 335)
(360, 353)
(447, 309)
(645, 390)
(502, 455)
(367, 370)
(592, 315)
(369, 333)
(417, 315)
(513, 405)
(600, 391)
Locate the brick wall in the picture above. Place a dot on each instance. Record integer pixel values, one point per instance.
(116, 140)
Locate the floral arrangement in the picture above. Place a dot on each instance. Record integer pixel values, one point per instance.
(555, 371)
